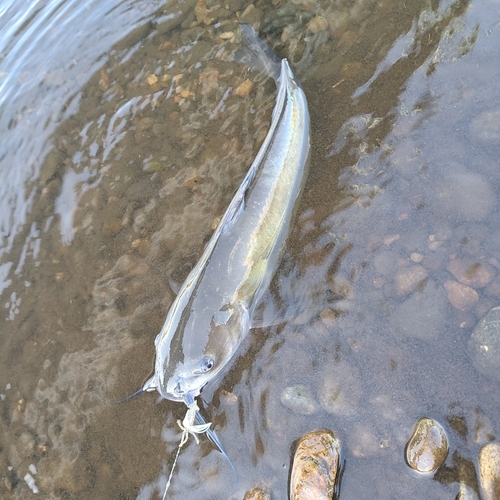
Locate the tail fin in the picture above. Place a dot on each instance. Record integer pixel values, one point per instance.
(257, 55)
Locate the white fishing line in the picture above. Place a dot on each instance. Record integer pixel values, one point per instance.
(188, 427)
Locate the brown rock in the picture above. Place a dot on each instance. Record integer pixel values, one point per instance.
(203, 14)
(104, 80)
(209, 80)
(427, 448)
(315, 467)
(317, 24)
(461, 297)
(351, 70)
(483, 428)
(305, 4)
(251, 15)
(257, 494)
(165, 46)
(407, 279)
(328, 317)
(471, 273)
(152, 79)
(111, 226)
(193, 180)
(348, 39)
(489, 471)
(245, 88)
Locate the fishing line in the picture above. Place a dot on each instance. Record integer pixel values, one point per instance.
(188, 427)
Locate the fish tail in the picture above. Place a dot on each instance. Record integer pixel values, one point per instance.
(257, 55)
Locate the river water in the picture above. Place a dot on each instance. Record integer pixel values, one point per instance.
(126, 127)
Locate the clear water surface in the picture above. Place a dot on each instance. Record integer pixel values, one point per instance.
(124, 132)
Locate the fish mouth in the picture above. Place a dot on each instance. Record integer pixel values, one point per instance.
(180, 394)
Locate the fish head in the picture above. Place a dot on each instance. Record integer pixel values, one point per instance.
(196, 352)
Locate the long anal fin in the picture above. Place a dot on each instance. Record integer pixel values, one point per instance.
(215, 440)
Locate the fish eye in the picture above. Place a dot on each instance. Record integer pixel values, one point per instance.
(206, 364)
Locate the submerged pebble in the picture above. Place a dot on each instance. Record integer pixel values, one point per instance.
(461, 297)
(484, 345)
(471, 273)
(463, 197)
(317, 24)
(298, 399)
(407, 279)
(427, 448)
(484, 129)
(466, 493)
(422, 314)
(489, 471)
(362, 442)
(483, 431)
(315, 467)
(257, 494)
(340, 390)
(244, 88)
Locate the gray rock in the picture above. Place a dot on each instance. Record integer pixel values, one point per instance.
(408, 279)
(422, 314)
(362, 442)
(484, 345)
(463, 196)
(484, 129)
(385, 262)
(174, 16)
(298, 399)
(340, 390)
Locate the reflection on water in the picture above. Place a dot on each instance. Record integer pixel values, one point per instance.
(125, 130)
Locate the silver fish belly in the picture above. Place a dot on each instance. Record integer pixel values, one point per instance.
(212, 312)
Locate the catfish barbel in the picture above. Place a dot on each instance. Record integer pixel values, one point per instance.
(213, 310)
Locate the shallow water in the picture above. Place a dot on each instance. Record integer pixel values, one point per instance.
(123, 139)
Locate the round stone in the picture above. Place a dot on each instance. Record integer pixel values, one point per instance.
(489, 471)
(466, 492)
(257, 494)
(340, 390)
(463, 197)
(471, 273)
(485, 128)
(408, 279)
(484, 345)
(421, 315)
(461, 297)
(298, 399)
(427, 448)
(315, 467)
